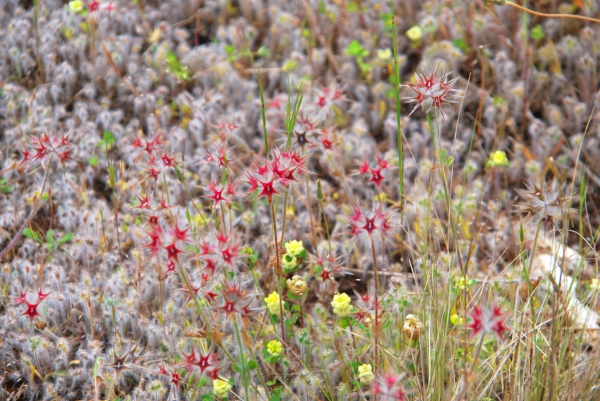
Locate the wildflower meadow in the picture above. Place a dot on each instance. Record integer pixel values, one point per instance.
(299, 200)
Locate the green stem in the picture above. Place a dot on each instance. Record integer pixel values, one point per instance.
(398, 108)
(277, 269)
(376, 328)
(264, 118)
(242, 360)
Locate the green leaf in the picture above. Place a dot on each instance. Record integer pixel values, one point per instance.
(274, 319)
(274, 398)
(50, 238)
(344, 322)
(107, 140)
(177, 68)
(236, 368)
(66, 238)
(462, 45)
(3, 187)
(352, 7)
(229, 49)
(289, 65)
(32, 235)
(111, 175)
(252, 364)
(93, 161)
(322, 8)
(537, 32)
(263, 51)
(179, 175)
(355, 49)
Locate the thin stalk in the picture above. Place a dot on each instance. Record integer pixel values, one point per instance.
(320, 200)
(242, 359)
(310, 215)
(34, 210)
(398, 108)
(192, 293)
(376, 328)
(285, 199)
(278, 271)
(262, 107)
(543, 15)
(326, 227)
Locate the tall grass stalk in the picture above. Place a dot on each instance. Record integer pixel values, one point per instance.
(398, 111)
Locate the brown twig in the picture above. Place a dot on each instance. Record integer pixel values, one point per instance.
(118, 72)
(312, 22)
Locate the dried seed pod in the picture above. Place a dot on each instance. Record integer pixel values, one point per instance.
(297, 286)
(40, 324)
(217, 336)
(247, 340)
(525, 289)
(413, 328)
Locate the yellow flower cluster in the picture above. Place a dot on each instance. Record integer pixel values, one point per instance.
(415, 34)
(342, 305)
(455, 319)
(274, 347)
(294, 248)
(365, 373)
(288, 263)
(221, 388)
(76, 6)
(498, 159)
(272, 302)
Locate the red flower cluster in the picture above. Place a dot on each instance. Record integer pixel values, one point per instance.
(45, 145)
(431, 90)
(282, 170)
(487, 322)
(326, 268)
(389, 387)
(377, 220)
(31, 310)
(221, 192)
(366, 303)
(207, 364)
(176, 379)
(376, 172)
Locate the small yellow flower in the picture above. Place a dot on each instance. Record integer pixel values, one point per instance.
(365, 373)
(294, 248)
(415, 34)
(463, 283)
(498, 159)
(595, 285)
(272, 302)
(200, 220)
(288, 263)
(275, 348)
(456, 320)
(76, 6)
(341, 305)
(221, 388)
(380, 197)
(384, 54)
